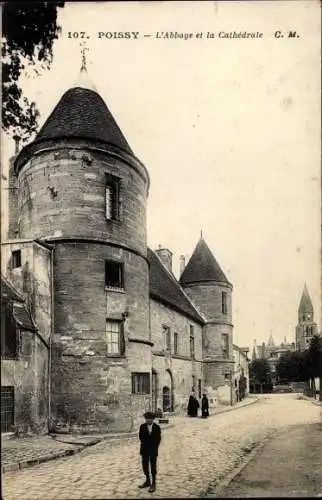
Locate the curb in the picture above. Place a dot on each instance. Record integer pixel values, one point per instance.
(232, 408)
(36, 461)
(61, 454)
(307, 398)
(218, 489)
(81, 446)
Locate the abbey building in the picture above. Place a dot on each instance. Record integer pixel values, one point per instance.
(97, 329)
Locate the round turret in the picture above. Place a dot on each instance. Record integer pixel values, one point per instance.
(82, 189)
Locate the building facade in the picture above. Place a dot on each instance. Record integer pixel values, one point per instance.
(123, 335)
(241, 372)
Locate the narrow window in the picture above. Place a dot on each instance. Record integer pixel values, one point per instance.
(167, 338)
(224, 302)
(192, 342)
(140, 383)
(199, 387)
(175, 343)
(16, 258)
(112, 198)
(114, 274)
(114, 337)
(193, 383)
(225, 345)
(7, 408)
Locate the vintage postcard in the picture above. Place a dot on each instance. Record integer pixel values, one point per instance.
(161, 249)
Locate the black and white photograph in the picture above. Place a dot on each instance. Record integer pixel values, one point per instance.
(161, 320)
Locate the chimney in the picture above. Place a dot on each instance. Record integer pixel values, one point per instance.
(182, 263)
(165, 256)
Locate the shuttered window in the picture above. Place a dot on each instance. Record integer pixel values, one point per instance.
(140, 383)
(114, 337)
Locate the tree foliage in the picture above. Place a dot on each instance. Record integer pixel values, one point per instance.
(301, 365)
(260, 371)
(28, 30)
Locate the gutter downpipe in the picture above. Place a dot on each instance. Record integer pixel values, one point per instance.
(51, 335)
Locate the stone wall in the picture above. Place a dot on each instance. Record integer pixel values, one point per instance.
(62, 195)
(91, 389)
(29, 376)
(175, 370)
(33, 279)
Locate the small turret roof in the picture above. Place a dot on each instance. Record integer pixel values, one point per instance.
(165, 289)
(202, 266)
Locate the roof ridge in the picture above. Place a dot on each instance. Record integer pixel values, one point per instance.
(180, 287)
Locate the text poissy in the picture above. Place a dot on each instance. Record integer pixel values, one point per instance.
(119, 34)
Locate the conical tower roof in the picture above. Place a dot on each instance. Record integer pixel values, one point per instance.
(202, 266)
(81, 113)
(306, 305)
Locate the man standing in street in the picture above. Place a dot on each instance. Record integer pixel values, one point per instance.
(150, 438)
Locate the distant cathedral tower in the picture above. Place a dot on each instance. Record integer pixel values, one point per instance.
(306, 327)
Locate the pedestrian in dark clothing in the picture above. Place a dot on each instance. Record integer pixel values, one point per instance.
(204, 406)
(193, 406)
(150, 438)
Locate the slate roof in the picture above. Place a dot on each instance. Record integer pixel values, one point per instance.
(23, 317)
(166, 289)
(82, 113)
(9, 292)
(20, 311)
(202, 266)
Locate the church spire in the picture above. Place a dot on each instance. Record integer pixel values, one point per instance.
(305, 311)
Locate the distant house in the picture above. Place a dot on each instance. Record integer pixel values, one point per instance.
(24, 366)
(241, 372)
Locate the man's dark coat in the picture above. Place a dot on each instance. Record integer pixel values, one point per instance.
(150, 442)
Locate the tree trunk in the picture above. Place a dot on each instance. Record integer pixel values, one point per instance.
(320, 384)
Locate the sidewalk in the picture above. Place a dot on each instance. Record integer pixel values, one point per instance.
(307, 398)
(19, 453)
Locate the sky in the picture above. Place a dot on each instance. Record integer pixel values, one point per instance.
(229, 130)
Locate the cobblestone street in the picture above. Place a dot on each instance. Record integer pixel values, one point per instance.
(194, 455)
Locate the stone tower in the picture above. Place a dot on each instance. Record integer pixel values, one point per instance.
(306, 327)
(82, 190)
(208, 288)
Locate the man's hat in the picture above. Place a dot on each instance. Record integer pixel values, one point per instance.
(149, 414)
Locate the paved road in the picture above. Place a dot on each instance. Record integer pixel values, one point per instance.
(194, 455)
(289, 465)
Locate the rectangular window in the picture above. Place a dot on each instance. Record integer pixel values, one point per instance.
(193, 382)
(225, 345)
(7, 408)
(140, 383)
(9, 333)
(112, 198)
(224, 302)
(16, 258)
(175, 343)
(114, 274)
(167, 338)
(113, 337)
